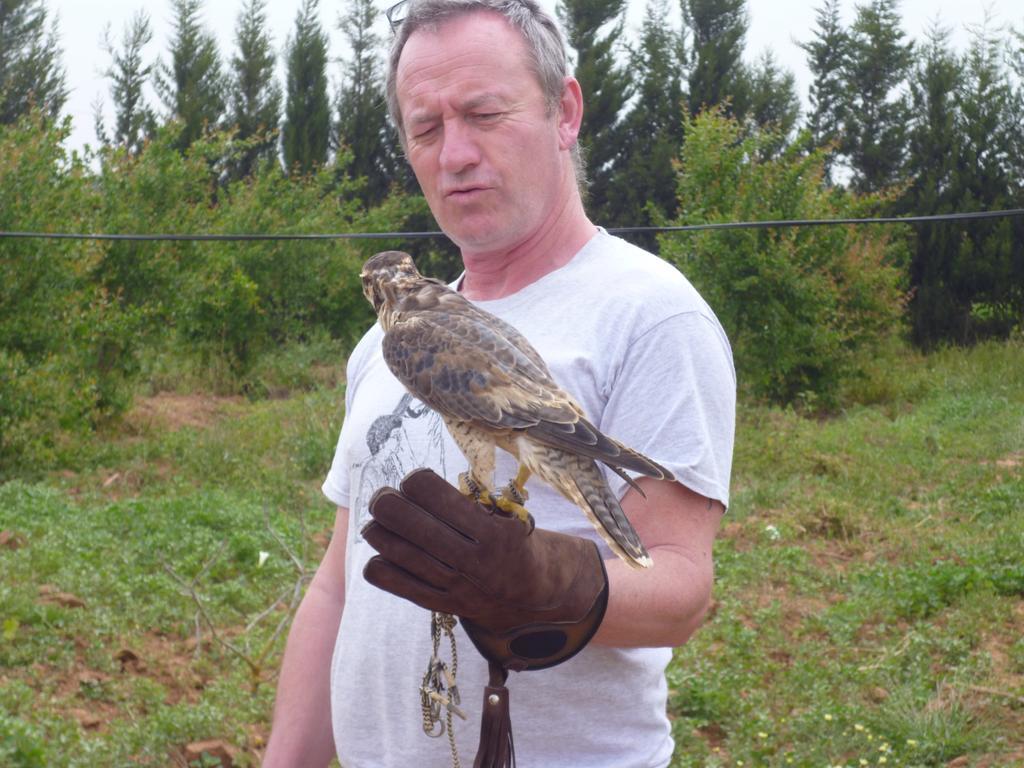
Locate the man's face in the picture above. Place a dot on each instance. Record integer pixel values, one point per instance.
(487, 155)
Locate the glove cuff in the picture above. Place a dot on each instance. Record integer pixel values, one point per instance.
(544, 644)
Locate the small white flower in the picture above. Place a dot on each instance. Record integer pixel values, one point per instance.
(263, 558)
(773, 532)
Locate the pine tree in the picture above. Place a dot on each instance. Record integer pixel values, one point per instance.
(1016, 46)
(31, 73)
(255, 98)
(718, 76)
(934, 142)
(192, 85)
(363, 125)
(967, 280)
(134, 121)
(1016, 57)
(827, 56)
(306, 131)
(876, 113)
(643, 189)
(773, 99)
(933, 147)
(593, 29)
(986, 103)
(1017, 130)
(990, 268)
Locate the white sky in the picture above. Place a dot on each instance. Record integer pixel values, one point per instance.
(775, 24)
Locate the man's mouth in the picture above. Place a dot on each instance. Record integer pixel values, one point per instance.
(464, 193)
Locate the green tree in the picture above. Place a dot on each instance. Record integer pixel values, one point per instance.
(966, 280)
(934, 144)
(827, 57)
(134, 121)
(988, 288)
(773, 98)
(718, 75)
(643, 188)
(1017, 65)
(306, 131)
(64, 344)
(876, 114)
(31, 73)
(192, 85)
(363, 126)
(593, 29)
(804, 307)
(1016, 56)
(255, 96)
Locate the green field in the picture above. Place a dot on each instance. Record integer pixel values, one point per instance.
(869, 608)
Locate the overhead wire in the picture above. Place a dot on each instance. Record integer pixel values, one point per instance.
(725, 225)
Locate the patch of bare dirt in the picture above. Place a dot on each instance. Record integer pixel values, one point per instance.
(1012, 461)
(221, 752)
(12, 540)
(90, 695)
(94, 697)
(171, 411)
(752, 531)
(834, 555)
(129, 482)
(1000, 761)
(166, 660)
(714, 734)
(217, 749)
(51, 595)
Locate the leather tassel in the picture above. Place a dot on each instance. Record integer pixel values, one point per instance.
(496, 749)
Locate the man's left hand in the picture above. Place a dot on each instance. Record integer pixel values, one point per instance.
(528, 599)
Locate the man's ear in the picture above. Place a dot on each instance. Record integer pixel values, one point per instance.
(570, 113)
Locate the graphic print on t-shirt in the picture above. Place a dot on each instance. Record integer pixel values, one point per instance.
(409, 437)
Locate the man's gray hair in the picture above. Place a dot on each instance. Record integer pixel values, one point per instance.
(544, 45)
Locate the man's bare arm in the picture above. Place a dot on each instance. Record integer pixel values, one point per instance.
(301, 732)
(665, 604)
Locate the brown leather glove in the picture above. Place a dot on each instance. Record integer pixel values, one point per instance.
(527, 599)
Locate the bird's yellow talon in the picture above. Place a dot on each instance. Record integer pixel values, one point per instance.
(514, 508)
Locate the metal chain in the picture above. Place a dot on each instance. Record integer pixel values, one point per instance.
(439, 688)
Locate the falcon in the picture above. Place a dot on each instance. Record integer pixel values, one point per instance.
(493, 389)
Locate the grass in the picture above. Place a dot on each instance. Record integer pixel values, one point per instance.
(869, 603)
(870, 582)
(158, 510)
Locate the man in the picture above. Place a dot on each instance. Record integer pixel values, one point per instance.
(489, 116)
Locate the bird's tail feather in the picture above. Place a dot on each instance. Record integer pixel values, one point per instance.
(605, 512)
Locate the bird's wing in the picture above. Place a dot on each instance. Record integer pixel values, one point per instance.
(470, 365)
(463, 366)
(585, 439)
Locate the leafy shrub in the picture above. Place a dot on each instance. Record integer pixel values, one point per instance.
(65, 348)
(228, 302)
(80, 320)
(804, 306)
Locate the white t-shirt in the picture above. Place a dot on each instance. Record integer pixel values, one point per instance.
(628, 336)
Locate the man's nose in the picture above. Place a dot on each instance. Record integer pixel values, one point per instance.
(459, 151)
